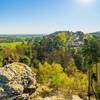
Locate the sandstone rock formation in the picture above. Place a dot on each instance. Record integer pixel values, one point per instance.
(16, 79)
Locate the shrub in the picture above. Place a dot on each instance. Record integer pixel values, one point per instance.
(55, 75)
(25, 60)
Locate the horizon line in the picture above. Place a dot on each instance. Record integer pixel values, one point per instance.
(42, 33)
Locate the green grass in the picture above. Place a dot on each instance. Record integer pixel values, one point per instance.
(11, 45)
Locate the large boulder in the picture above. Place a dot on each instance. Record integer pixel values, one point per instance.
(16, 79)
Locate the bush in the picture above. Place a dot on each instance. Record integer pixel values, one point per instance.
(55, 75)
(52, 74)
(25, 60)
(71, 67)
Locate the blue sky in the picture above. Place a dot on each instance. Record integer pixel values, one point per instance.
(46, 16)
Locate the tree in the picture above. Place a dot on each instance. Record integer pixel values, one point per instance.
(9, 56)
(48, 45)
(91, 55)
(71, 67)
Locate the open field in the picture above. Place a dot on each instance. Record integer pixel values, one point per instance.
(12, 45)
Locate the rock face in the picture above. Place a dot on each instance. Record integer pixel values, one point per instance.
(16, 79)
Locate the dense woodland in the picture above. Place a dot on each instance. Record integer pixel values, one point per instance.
(65, 61)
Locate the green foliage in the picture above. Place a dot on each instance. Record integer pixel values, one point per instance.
(90, 51)
(46, 47)
(54, 75)
(25, 60)
(62, 36)
(44, 72)
(9, 56)
(91, 55)
(71, 67)
(53, 62)
(16, 38)
(10, 45)
(79, 81)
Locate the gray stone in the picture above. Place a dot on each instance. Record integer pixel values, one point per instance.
(16, 79)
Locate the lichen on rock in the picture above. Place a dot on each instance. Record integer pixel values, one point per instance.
(16, 79)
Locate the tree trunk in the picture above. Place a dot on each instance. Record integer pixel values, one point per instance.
(94, 90)
(89, 84)
(97, 72)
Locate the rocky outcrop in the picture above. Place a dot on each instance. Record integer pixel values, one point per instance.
(16, 79)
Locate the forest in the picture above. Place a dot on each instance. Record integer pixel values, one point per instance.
(66, 63)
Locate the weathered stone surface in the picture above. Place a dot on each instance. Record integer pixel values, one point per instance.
(16, 79)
